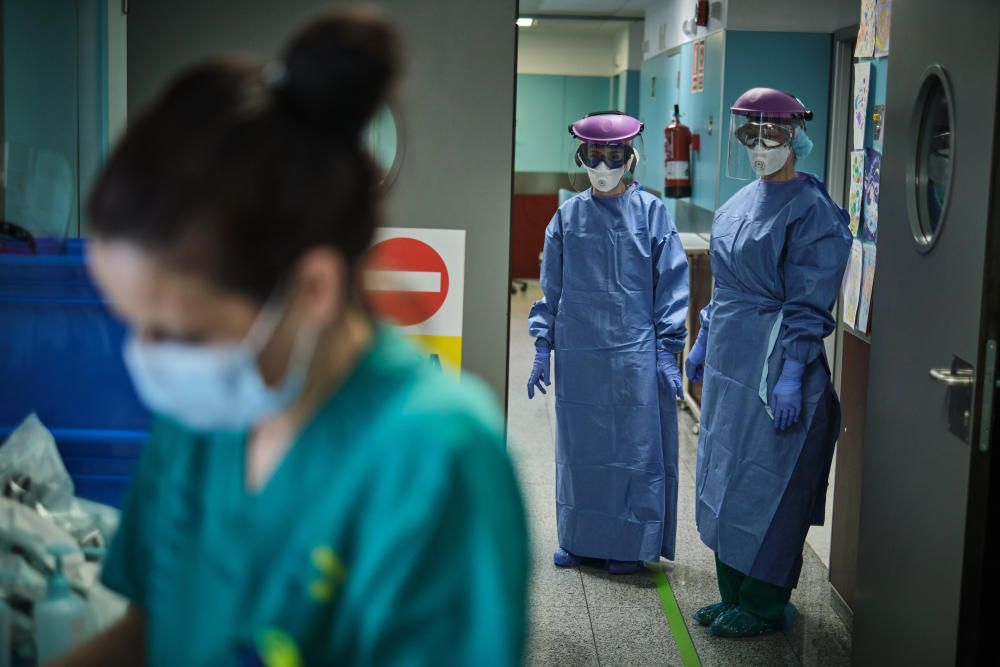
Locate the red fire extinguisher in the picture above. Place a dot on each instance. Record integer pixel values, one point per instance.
(676, 158)
(701, 13)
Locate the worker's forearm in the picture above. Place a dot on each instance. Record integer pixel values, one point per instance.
(121, 644)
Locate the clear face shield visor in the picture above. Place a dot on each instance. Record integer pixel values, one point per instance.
(603, 165)
(759, 145)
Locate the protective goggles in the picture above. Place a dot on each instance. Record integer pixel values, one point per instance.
(591, 154)
(769, 135)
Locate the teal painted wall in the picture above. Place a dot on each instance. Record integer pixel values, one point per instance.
(92, 84)
(798, 63)
(696, 111)
(40, 113)
(55, 109)
(876, 96)
(626, 92)
(382, 139)
(657, 89)
(741, 60)
(546, 105)
(672, 73)
(632, 93)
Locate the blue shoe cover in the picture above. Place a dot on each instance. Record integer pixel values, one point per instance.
(563, 558)
(737, 623)
(708, 615)
(624, 566)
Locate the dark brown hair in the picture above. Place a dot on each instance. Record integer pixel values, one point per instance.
(237, 170)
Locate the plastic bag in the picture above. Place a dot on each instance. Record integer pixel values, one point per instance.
(38, 510)
(32, 473)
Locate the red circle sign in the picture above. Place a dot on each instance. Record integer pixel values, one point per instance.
(406, 280)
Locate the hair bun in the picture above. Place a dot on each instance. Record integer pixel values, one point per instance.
(338, 70)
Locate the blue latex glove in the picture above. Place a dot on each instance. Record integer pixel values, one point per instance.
(669, 373)
(540, 369)
(786, 399)
(694, 366)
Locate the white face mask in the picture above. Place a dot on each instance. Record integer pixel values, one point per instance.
(604, 178)
(217, 387)
(766, 161)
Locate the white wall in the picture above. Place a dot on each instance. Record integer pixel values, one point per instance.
(797, 16)
(666, 19)
(635, 37)
(561, 53)
(622, 51)
(628, 52)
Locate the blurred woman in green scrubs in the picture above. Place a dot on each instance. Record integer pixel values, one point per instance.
(314, 492)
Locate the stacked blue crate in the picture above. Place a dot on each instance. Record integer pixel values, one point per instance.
(60, 357)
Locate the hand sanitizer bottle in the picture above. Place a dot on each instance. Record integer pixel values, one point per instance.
(61, 619)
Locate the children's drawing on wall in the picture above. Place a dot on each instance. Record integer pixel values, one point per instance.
(873, 173)
(883, 14)
(857, 189)
(867, 283)
(862, 79)
(866, 31)
(852, 284)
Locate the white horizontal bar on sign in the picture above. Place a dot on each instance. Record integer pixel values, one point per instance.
(403, 281)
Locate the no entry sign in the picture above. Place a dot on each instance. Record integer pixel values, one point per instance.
(415, 278)
(406, 280)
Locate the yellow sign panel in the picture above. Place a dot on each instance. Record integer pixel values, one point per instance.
(447, 350)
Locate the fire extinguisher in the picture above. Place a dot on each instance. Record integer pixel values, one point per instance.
(676, 158)
(701, 13)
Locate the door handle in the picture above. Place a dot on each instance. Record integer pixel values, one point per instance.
(961, 377)
(960, 381)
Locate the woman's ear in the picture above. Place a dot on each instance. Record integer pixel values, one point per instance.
(322, 283)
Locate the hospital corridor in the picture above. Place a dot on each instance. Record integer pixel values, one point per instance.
(499, 333)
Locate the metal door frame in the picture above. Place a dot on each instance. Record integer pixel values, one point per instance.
(838, 164)
(980, 576)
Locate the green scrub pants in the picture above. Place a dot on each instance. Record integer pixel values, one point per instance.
(754, 596)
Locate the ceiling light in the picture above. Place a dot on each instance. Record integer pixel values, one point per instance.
(525, 22)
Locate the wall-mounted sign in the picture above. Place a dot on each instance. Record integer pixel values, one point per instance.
(415, 279)
(698, 67)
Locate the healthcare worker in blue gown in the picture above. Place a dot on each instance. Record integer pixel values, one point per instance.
(769, 414)
(615, 284)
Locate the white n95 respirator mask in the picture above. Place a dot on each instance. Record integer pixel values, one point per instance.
(766, 161)
(604, 178)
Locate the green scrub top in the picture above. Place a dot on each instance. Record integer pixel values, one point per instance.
(392, 533)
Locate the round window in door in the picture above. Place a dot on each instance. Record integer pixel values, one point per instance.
(932, 157)
(384, 140)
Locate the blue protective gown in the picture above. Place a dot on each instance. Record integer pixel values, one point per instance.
(615, 283)
(778, 254)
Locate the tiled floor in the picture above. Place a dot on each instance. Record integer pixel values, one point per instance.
(587, 617)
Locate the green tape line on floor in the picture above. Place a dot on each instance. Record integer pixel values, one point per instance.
(689, 657)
